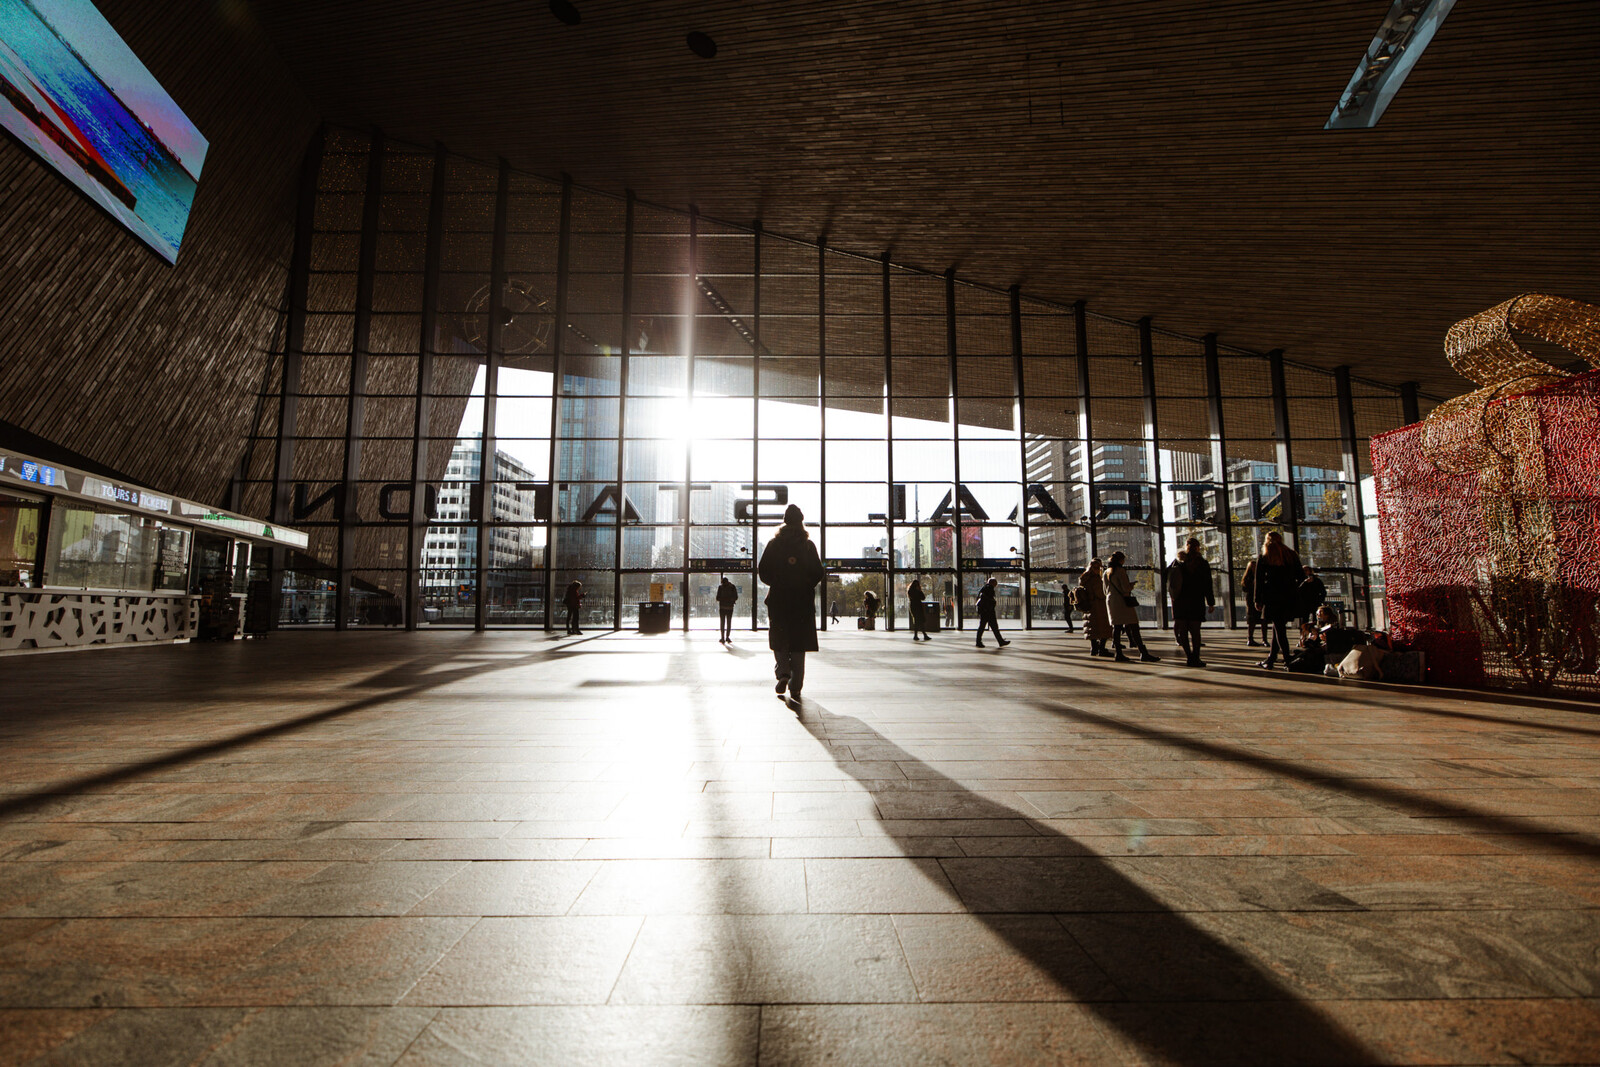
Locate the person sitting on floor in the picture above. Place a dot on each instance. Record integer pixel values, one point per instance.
(1337, 639)
(1309, 655)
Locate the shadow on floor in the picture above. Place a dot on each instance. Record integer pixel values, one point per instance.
(401, 681)
(1412, 803)
(1186, 997)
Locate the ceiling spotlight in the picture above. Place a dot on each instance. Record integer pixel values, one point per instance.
(700, 44)
(563, 10)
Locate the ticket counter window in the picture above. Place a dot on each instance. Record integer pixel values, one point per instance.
(91, 549)
(172, 558)
(19, 539)
(213, 558)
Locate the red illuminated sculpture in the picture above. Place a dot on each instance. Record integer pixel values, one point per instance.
(1490, 508)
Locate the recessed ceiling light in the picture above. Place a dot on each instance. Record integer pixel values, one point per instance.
(563, 10)
(701, 45)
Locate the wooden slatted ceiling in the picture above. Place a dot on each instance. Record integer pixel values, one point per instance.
(1160, 158)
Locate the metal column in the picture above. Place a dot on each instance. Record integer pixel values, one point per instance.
(1025, 588)
(686, 498)
(1080, 323)
(558, 343)
(822, 417)
(755, 424)
(293, 354)
(1289, 509)
(1152, 451)
(1218, 476)
(1410, 410)
(488, 450)
(1350, 444)
(956, 509)
(355, 400)
(625, 353)
(888, 447)
(416, 536)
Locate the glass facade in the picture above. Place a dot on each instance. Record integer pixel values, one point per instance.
(19, 538)
(491, 385)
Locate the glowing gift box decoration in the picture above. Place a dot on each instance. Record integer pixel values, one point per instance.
(1490, 508)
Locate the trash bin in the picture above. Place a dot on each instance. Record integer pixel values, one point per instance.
(655, 616)
(932, 615)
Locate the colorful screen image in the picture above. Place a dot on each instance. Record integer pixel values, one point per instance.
(73, 93)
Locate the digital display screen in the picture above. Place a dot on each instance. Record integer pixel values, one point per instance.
(74, 94)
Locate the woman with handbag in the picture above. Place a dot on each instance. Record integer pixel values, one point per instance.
(1090, 598)
(1278, 576)
(1123, 608)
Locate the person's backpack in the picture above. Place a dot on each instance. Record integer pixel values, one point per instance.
(1174, 579)
(1081, 599)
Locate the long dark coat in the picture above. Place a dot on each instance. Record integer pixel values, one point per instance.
(1277, 586)
(1194, 593)
(792, 570)
(1311, 595)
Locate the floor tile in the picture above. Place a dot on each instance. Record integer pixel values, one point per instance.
(707, 887)
(544, 960)
(866, 886)
(998, 958)
(687, 1036)
(510, 887)
(756, 959)
(923, 1034)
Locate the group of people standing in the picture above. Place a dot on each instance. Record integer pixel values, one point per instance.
(1277, 588)
(1110, 609)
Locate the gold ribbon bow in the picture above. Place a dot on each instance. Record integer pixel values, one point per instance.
(1470, 433)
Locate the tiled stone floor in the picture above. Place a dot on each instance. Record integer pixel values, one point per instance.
(508, 848)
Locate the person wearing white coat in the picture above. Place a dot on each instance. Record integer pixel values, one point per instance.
(1124, 611)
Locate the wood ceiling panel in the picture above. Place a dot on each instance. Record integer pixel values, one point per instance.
(1160, 158)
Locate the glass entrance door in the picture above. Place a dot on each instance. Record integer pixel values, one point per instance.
(847, 597)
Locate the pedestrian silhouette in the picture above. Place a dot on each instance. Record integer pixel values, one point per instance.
(1278, 578)
(986, 613)
(727, 596)
(1310, 595)
(792, 571)
(1190, 587)
(919, 620)
(1252, 612)
(1091, 600)
(1122, 607)
(573, 600)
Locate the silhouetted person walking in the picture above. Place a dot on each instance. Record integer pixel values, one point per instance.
(1278, 575)
(1310, 595)
(1122, 607)
(727, 597)
(1096, 621)
(833, 611)
(792, 571)
(987, 616)
(1067, 606)
(573, 601)
(1192, 597)
(869, 609)
(1252, 613)
(919, 621)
